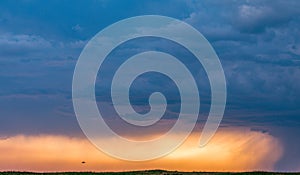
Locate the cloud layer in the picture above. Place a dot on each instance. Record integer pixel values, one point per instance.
(237, 149)
(257, 42)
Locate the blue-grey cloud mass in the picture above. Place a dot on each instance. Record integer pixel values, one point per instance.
(258, 43)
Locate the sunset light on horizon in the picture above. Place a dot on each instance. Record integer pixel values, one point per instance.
(250, 150)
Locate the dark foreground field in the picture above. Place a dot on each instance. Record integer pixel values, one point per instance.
(151, 172)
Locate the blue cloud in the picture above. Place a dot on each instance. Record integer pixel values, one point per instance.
(259, 48)
(258, 43)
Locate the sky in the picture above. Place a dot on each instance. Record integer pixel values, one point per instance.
(258, 44)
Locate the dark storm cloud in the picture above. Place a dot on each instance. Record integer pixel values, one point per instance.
(258, 43)
(258, 47)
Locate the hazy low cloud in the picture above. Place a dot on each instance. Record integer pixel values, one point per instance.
(230, 150)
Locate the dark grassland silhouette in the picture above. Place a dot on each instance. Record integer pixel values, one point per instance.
(151, 172)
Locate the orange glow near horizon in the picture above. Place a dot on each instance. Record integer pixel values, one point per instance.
(238, 149)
